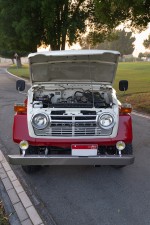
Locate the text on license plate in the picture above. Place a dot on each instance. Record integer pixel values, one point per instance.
(84, 150)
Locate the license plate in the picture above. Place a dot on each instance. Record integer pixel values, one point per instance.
(84, 150)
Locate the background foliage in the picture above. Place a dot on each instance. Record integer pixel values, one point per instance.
(26, 24)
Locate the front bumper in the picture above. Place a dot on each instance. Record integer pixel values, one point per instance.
(71, 160)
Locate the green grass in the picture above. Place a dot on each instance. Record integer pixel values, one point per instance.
(20, 72)
(138, 75)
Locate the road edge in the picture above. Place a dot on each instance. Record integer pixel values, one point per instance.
(22, 205)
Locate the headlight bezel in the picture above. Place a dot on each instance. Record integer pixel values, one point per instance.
(43, 126)
(106, 115)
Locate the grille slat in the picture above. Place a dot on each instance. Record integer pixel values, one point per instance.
(73, 126)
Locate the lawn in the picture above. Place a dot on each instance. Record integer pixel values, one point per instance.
(138, 75)
(21, 72)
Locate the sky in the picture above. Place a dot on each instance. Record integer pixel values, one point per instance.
(140, 37)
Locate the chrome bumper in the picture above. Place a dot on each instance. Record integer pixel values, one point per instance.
(70, 160)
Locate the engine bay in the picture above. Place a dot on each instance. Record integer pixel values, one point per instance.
(72, 98)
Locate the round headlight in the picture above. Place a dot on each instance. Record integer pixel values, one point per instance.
(40, 121)
(106, 121)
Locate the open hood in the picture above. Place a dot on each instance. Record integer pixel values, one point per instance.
(73, 65)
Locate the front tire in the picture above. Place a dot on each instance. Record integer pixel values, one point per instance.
(128, 150)
(30, 168)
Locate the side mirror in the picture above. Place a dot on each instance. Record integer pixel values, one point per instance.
(20, 85)
(123, 85)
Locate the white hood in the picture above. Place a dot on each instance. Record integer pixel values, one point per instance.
(73, 65)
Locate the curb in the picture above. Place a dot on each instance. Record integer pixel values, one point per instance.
(20, 201)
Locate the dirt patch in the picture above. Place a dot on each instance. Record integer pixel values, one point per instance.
(3, 217)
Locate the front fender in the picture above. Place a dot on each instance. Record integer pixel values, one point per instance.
(20, 129)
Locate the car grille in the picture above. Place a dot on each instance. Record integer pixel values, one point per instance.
(73, 126)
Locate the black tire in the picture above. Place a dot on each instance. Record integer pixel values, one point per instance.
(30, 168)
(118, 166)
(127, 151)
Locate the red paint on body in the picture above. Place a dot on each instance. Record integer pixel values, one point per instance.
(20, 132)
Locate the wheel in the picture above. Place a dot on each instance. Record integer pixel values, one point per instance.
(30, 168)
(118, 166)
(127, 151)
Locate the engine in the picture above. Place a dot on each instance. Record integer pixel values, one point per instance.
(70, 98)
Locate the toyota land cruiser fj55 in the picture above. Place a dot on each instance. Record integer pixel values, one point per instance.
(71, 115)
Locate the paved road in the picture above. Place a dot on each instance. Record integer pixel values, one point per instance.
(84, 195)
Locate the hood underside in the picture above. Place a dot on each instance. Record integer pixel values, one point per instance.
(74, 65)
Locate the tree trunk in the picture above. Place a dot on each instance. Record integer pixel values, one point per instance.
(18, 62)
(63, 43)
(13, 61)
(65, 25)
(55, 47)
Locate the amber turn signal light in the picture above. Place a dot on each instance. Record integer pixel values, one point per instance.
(125, 108)
(20, 108)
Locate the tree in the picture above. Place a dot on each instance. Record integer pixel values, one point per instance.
(121, 41)
(26, 24)
(124, 43)
(146, 42)
(108, 14)
(92, 39)
(113, 12)
(7, 54)
(145, 54)
(64, 21)
(140, 55)
(20, 30)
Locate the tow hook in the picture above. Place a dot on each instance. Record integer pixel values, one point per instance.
(46, 151)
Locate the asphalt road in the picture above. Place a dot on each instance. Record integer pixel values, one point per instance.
(84, 195)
